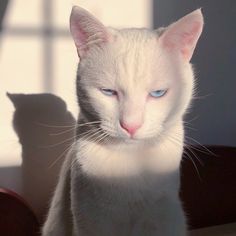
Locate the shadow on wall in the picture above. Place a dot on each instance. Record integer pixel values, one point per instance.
(3, 8)
(46, 130)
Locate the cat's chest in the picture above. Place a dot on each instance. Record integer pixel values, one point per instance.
(123, 194)
(123, 203)
(114, 187)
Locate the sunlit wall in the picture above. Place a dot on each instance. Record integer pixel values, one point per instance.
(37, 53)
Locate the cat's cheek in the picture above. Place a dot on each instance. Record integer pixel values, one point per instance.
(155, 116)
(154, 99)
(107, 108)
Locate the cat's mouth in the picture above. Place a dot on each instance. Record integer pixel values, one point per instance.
(120, 136)
(130, 140)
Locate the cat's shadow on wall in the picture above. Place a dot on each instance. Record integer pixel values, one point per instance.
(45, 129)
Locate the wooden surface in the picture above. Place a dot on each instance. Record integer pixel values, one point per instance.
(16, 217)
(222, 230)
(209, 193)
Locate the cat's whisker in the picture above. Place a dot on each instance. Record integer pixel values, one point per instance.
(67, 140)
(63, 132)
(99, 133)
(89, 137)
(76, 126)
(66, 150)
(188, 126)
(88, 123)
(191, 120)
(101, 138)
(189, 156)
(53, 126)
(202, 97)
(59, 143)
(66, 126)
(194, 154)
(73, 163)
(195, 166)
(174, 140)
(92, 141)
(60, 156)
(195, 148)
(201, 145)
(188, 145)
(107, 156)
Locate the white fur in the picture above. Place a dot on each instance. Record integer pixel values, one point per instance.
(129, 188)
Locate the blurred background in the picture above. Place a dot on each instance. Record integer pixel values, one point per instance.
(37, 55)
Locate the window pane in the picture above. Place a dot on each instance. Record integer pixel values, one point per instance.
(20, 72)
(122, 13)
(21, 64)
(65, 66)
(24, 13)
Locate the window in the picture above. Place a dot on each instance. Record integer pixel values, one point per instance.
(37, 54)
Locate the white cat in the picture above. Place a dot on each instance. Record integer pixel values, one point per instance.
(121, 178)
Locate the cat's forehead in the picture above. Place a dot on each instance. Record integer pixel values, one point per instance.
(133, 59)
(134, 45)
(137, 57)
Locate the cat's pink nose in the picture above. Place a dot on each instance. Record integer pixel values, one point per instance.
(130, 128)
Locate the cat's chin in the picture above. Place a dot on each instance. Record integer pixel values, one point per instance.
(132, 141)
(140, 140)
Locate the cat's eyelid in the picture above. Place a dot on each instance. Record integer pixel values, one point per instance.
(107, 88)
(108, 91)
(159, 89)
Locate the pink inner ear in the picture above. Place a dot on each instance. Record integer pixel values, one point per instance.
(86, 30)
(168, 44)
(80, 36)
(183, 35)
(190, 39)
(182, 38)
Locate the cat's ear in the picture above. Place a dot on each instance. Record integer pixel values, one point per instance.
(86, 30)
(183, 35)
(14, 98)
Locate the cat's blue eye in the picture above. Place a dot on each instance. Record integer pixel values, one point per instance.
(108, 92)
(158, 93)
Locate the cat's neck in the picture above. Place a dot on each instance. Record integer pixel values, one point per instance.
(127, 159)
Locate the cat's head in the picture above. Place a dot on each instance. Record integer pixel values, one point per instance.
(136, 82)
